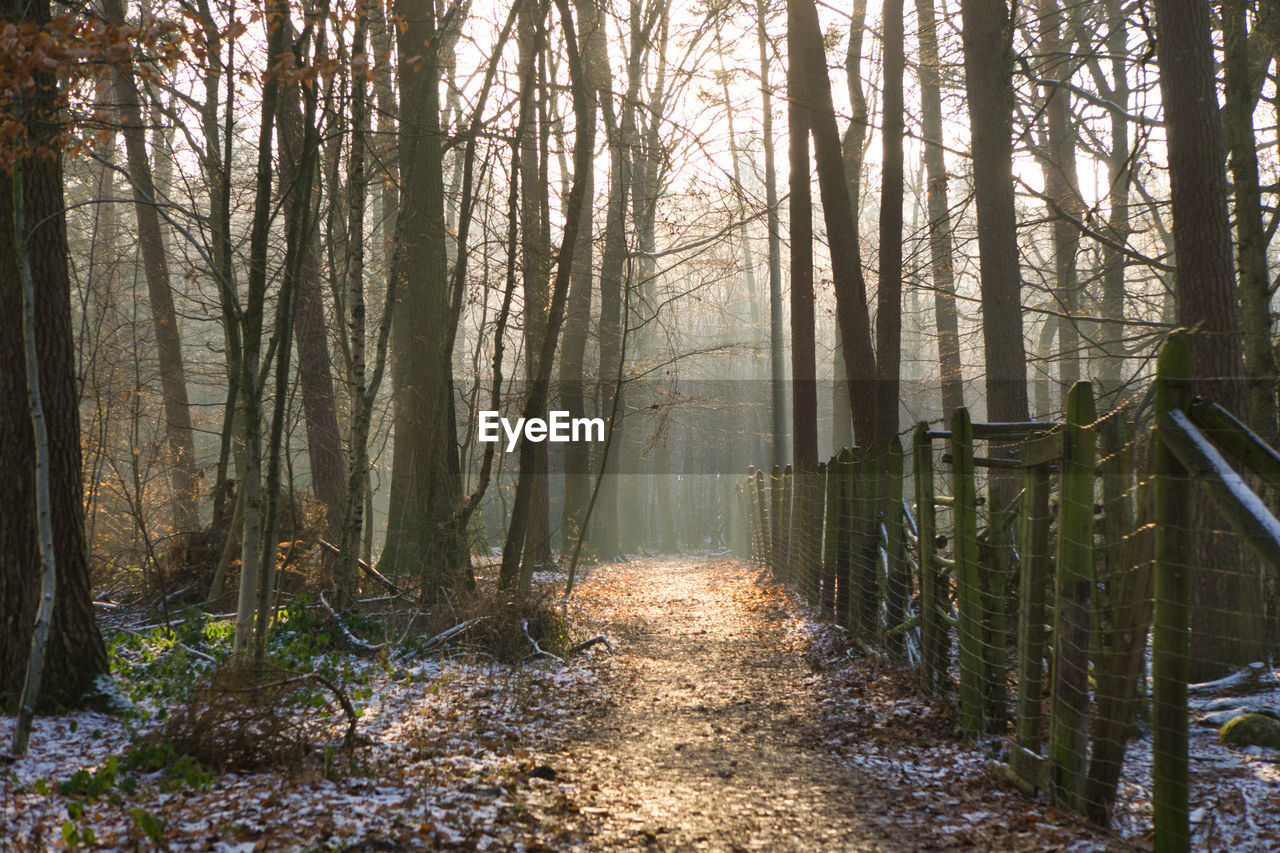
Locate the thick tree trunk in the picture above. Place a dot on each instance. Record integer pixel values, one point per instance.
(1226, 622)
(75, 656)
(422, 531)
(987, 62)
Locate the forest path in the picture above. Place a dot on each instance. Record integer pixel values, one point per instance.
(712, 738)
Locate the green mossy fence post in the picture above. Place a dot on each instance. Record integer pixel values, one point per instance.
(993, 574)
(867, 557)
(742, 540)
(968, 583)
(1121, 667)
(813, 571)
(1171, 659)
(1068, 729)
(813, 530)
(1032, 592)
(762, 520)
(830, 538)
(898, 582)
(785, 521)
(934, 639)
(777, 535)
(844, 537)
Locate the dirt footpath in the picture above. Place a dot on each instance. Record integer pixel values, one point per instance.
(723, 733)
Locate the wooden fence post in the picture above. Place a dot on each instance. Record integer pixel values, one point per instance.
(814, 570)
(762, 520)
(1068, 732)
(844, 537)
(785, 520)
(1032, 590)
(968, 582)
(994, 594)
(898, 582)
(867, 556)
(831, 538)
(811, 530)
(1171, 659)
(934, 637)
(1121, 667)
(777, 538)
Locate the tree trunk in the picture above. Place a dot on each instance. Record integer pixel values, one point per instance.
(842, 227)
(182, 456)
(1226, 621)
(1255, 295)
(575, 205)
(777, 369)
(535, 246)
(311, 333)
(940, 242)
(889, 293)
(1111, 372)
(577, 455)
(804, 382)
(75, 656)
(987, 57)
(604, 532)
(422, 531)
(1062, 186)
(855, 136)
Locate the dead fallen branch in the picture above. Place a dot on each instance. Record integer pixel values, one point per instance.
(365, 567)
(538, 651)
(586, 644)
(352, 640)
(1253, 678)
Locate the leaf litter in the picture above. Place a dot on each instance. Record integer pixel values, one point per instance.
(727, 718)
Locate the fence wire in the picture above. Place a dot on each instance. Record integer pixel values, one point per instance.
(1101, 593)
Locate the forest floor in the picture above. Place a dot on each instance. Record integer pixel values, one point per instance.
(735, 723)
(724, 717)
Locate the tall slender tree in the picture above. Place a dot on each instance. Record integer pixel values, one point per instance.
(804, 380)
(941, 244)
(155, 264)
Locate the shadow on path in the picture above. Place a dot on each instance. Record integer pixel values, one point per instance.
(709, 741)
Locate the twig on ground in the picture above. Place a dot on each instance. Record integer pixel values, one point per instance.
(538, 651)
(586, 644)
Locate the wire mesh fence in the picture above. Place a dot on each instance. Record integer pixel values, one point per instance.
(1086, 589)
